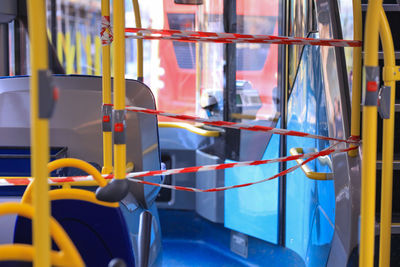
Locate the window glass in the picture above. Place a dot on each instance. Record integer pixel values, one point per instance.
(257, 64)
(177, 73)
(185, 52)
(346, 20)
(300, 25)
(252, 57)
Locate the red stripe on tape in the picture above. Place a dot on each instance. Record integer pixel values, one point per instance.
(199, 36)
(22, 181)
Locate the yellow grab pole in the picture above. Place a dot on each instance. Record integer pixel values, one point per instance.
(356, 88)
(388, 142)
(106, 62)
(39, 135)
(138, 22)
(369, 135)
(119, 88)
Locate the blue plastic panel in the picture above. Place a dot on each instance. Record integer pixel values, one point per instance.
(310, 204)
(253, 210)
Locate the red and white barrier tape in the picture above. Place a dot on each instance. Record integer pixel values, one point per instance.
(324, 152)
(197, 36)
(240, 126)
(106, 34)
(133, 176)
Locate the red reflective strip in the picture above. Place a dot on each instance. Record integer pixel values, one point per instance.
(118, 127)
(372, 86)
(56, 94)
(106, 118)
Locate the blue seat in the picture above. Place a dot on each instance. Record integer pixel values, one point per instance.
(99, 232)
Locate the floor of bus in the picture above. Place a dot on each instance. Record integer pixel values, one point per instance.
(189, 240)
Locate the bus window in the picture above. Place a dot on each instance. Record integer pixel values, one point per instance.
(302, 23)
(257, 64)
(185, 52)
(252, 57)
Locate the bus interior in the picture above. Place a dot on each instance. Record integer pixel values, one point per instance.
(166, 133)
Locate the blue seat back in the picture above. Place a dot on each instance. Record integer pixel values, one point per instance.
(99, 233)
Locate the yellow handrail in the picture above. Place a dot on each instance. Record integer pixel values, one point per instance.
(106, 63)
(39, 134)
(321, 176)
(80, 164)
(390, 75)
(356, 85)
(68, 254)
(190, 128)
(369, 135)
(119, 83)
(67, 162)
(138, 22)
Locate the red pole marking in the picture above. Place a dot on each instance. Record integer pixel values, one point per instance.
(199, 36)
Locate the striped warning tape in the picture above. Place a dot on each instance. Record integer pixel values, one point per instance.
(240, 126)
(106, 34)
(4, 181)
(324, 152)
(198, 36)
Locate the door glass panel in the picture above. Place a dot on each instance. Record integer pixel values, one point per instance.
(310, 204)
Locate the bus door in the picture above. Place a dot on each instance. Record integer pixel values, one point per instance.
(253, 97)
(321, 215)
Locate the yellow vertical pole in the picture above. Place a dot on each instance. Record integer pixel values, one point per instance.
(138, 22)
(388, 142)
(356, 88)
(119, 82)
(89, 54)
(39, 135)
(97, 58)
(106, 63)
(369, 134)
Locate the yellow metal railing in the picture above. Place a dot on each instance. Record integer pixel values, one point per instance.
(67, 255)
(106, 63)
(39, 135)
(138, 22)
(119, 82)
(377, 24)
(391, 74)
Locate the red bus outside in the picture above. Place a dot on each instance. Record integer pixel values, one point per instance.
(257, 64)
